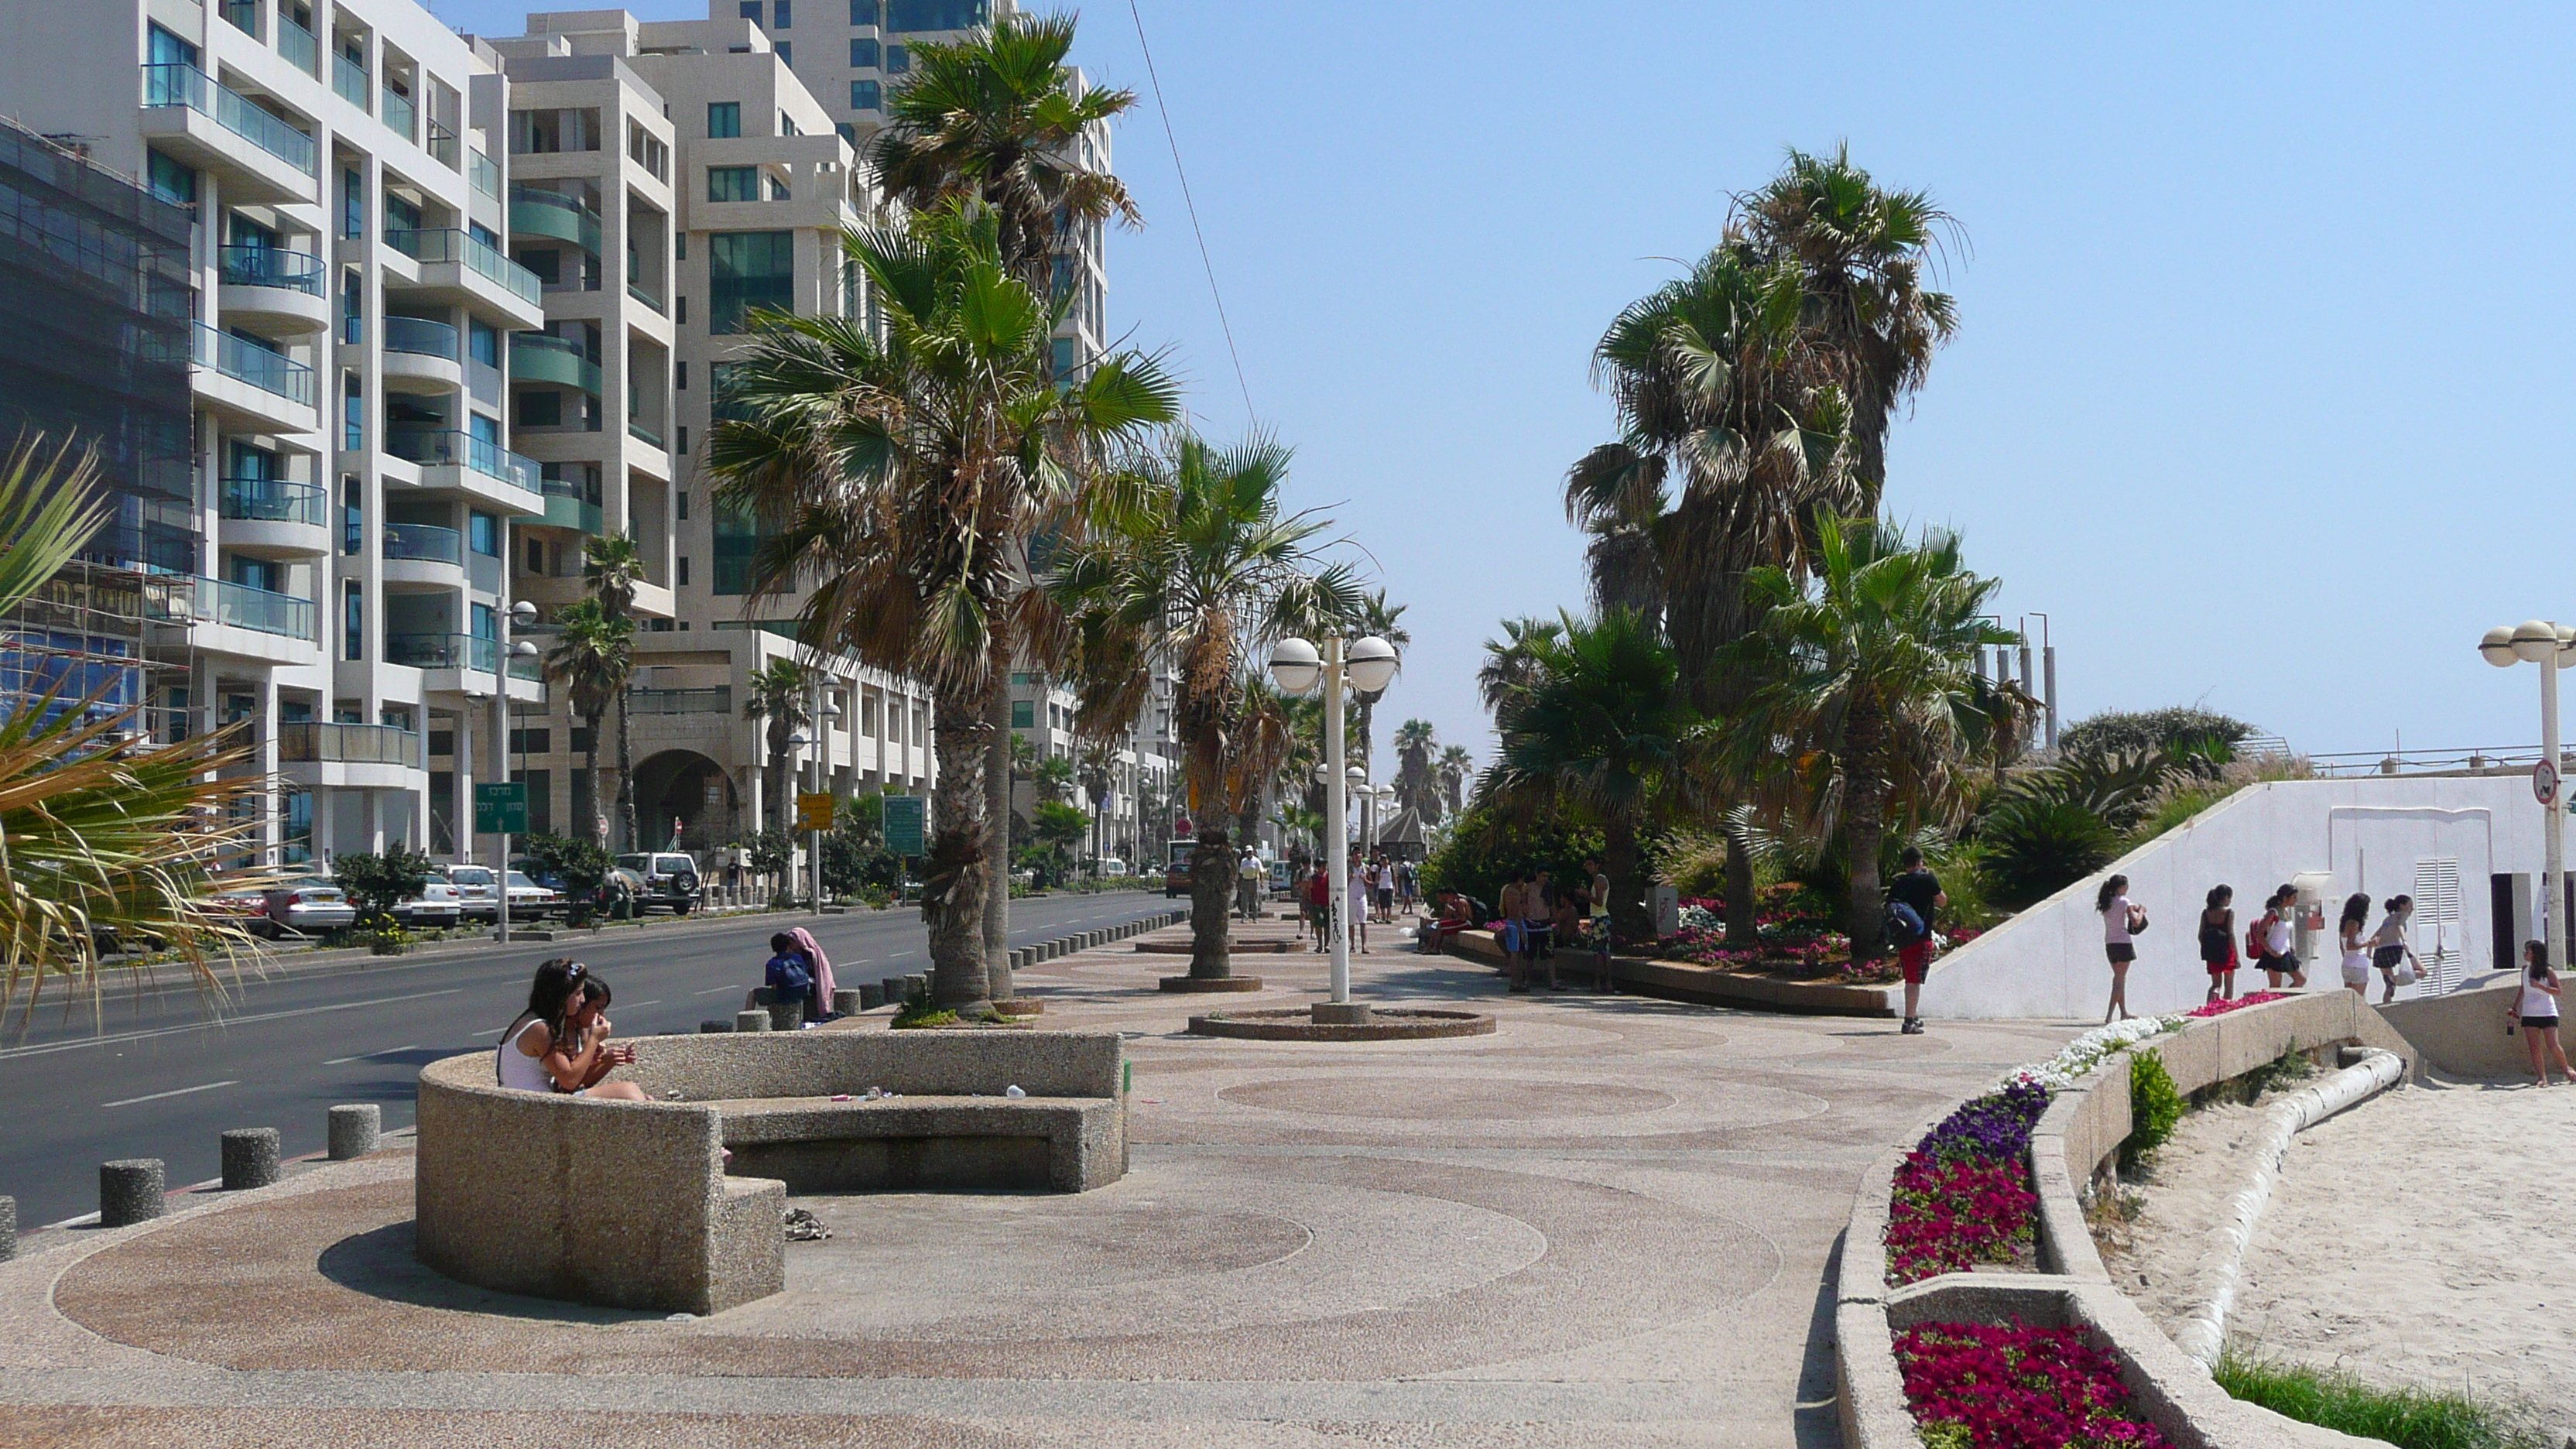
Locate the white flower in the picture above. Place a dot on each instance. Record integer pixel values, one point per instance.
(2081, 1057)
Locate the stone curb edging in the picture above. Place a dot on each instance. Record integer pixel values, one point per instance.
(1297, 1024)
(2204, 1330)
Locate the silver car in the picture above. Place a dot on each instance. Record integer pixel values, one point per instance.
(438, 904)
(307, 908)
(475, 900)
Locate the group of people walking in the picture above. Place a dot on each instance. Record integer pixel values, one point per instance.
(1376, 891)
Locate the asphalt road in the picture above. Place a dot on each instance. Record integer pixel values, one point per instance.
(157, 1074)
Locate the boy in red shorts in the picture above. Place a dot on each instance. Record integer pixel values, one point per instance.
(1921, 892)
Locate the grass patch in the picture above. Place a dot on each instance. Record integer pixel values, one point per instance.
(922, 1013)
(2406, 1417)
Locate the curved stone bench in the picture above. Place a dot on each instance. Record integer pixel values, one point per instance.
(630, 1204)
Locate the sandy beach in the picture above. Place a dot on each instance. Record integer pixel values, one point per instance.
(2418, 1238)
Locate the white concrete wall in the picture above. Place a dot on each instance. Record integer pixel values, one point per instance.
(2369, 834)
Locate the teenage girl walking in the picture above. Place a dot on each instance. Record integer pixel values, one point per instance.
(2277, 960)
(2218, 943)
(2388, 948)
(2120, 922)
(2537, 1005)
(2356, 954)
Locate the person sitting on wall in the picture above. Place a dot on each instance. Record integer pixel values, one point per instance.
(560, 1043)
(790, 975)
(1457, 913)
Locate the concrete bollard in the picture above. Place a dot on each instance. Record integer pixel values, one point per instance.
(849, 999)
(8, 1228)
(130, 1191)
(1021, 957)
(891, 988)
(916, 988)
(250, 1158)
(715, 1026)
(756, 1019)
(786, 1015)
(356, 1129)
(871, 996)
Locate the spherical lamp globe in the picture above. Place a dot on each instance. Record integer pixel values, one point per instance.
(2497, 647)
(1296, 665)
(2534, 640)
(1372, 664)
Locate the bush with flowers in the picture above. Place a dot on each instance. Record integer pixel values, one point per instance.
(2221, 1008)
(2016, 1386)
(2079, 1058)
(1963, 1195)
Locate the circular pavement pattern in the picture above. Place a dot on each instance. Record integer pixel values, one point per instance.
(1472, 1099)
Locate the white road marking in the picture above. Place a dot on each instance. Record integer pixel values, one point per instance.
(362, 1056)
(656, 1001)
(712, 990)
(91, 1041)
(157, 1096)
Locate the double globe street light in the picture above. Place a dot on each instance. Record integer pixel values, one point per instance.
(1368, 665)
(2537, 641)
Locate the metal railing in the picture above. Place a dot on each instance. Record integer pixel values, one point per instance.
(182, 599)
(717, 700)
(446, 447)
(247, 361)
(349, 79)
(353, 744)
(421, 336)
(455, 651)
(447, 244)
(542, 348)
(274, 500)
(424, 543)
(584, 221)
(640, 295)
(485, 175)
(2484, 760)
(174, 84)
(271, 267)
(296, 43)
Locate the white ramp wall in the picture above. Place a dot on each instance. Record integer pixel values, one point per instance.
(2421, 835)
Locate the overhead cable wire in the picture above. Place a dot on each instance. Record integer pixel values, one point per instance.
(1192, 206)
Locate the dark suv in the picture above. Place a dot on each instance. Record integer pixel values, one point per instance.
(670, 880)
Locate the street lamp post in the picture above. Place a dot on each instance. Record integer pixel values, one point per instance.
(2537, 641)
(518, 616)
(823, 718)
(1367, 664)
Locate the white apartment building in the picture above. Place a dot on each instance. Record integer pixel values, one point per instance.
(354, 489)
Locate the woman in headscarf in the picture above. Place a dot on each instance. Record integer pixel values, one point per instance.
(821, 966)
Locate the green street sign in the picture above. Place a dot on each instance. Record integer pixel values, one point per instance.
(501, 809)
(907, 823)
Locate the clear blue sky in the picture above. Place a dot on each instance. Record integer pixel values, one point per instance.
(2263, 315)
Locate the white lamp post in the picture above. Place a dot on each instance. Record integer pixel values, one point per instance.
(2548, 645)
(518, 616)
(797, 742)
(822, 774)
(1366, 664)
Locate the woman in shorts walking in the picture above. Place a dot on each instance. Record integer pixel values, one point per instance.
(2537, 1006)
(2218, 943)
(2120, 922)
(2277, 961)
(2356, 954)
(2388, 948)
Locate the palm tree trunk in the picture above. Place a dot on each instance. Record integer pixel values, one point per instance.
(1864, 824)
(625, 775)
(590, 761)
(1212, 901)
(953, 877)
(997, 810)
(1629, 920)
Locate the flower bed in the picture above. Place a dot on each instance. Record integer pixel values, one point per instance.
(1963, 1195)
(2014, 1386)
(2221, 1008)
(2079, 1058)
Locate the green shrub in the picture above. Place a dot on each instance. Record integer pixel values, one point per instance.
(2195, 732)
(578, 866)
(2036, 847)
(1490, 847)
(2154, 1106)
(375, 884)
(2409, 1418)
(922, 1013)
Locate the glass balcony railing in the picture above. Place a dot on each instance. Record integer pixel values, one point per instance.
(247, 361)
(355, 744)
(643, 434)
(349, 78)
(421, 336)
(637, 292)
(455, 651)
(450, 245)
(185, 85)
(400, 115)
(424, 543)
(717, 700)
(179, 599)
(446, 447)
(544, 357)
(551, 213)
(271, 267)
(485, 176)
(569, 505)
(296, 43)
(274, 500)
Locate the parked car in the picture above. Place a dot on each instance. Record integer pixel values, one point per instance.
(1176, 871)
(530, 901)
(1113, 868)
(474, 898)
(307, 907)
(439, 905)
(670, 880)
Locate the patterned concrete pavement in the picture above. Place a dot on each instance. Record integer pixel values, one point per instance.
(1609, 1223)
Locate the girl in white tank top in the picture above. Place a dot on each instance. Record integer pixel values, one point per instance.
(2535, 1003)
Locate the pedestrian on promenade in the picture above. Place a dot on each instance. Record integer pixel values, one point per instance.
(2218, 943)
(1538, 920)
(1314, 890)
(790, 973)
(1596, 893)
(1382, 880)
(2120, 922)
(2535, 1005)
(1919, 891)
(2389, 950)
(1356, 902)
(1247, 884)
(821, 965)
(2356, 954)
(2277, 961)
(549, 1047)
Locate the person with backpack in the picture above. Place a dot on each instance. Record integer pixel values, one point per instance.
(2121, 920)
(1912, 899)
(791, 974)
(2274, 951)
(2218, 944)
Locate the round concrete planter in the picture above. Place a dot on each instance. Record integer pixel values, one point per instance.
(1020, 1006)
(1297, 1023)
(1233, 948)
(1211, 983)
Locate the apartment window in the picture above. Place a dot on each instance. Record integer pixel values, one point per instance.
(486, 623)
(353, 622)
(683, 505)
(787, 125)
(782, 14)
(680, 380)
(778, 189)
(680, 247)
(353, 204)
(683, 575)
(733, 183)
(684, 451)
(863, 12)
(352, 534)
(848, 132)
(1063, 358)
(1023, 714)
(898, 60)
(724, 118)
(680, 310)
(484, 531)
(863, 55)
(540, 409)
(353, 413)
(536, 557)
(484, 343)
(173, 182)
(751, 11)
(866, 96)
(937, 14)
(748, 269)
(786, 57)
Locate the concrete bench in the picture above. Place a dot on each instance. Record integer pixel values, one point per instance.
(632, 1205)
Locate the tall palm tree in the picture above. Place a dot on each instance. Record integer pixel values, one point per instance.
(1417, 788)
(1512, 663)
(1866, 680)
(1191, 571)
(1859, 251)
(899, 481)
(611, 568)
(1455, 768)
(781, 693)
(594, 657)
(1375, 616)
(1602, 731)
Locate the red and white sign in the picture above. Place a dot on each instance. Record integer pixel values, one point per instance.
(2544, 783)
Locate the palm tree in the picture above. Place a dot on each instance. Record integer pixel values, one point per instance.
(594, 656)
(1858, 251)
(1512, 662)
(1602, 731)
(1866, 681)
(1417, 788)
(1190, 572)
(781, 693)
(1375, 616)
(1053, 779)
(1455, 768)
(901, 478)
(611, 568)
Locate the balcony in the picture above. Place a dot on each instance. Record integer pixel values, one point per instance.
(718, 700)
(470, 652)
(568, 505)
(349, 79)
(274, 518)
(254, 388)
(485, 176)
(639, 294)
(424, 542)
(461, 267)
(272, 289)
(535, 211)
(353, 744)
(262, 159)
(174, 599)
(473, 465)
(544, 357)
(635, 429)
(400, 116)
(297, 44)
(421, 355)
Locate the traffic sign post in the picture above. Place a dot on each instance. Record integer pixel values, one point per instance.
(2544, 783)
(907, 823)
(813, 811)
(501, 809)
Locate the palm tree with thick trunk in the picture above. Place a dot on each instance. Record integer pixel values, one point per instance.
(611, 568)
(898, 480)
(1864, 677)
(1456, 767)
(1192, 569)
(1386, 621)
(594, 656)
(781, 694)
(1417, 788)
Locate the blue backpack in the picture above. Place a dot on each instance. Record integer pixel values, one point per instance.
(1903, 924)
(789, 979)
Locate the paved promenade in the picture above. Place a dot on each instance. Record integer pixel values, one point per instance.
(1607, 1224)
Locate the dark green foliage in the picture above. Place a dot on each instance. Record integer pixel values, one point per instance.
(578, 866)
(2409, 1418)
(374, 883)
(2155, 1107)
(770, 851)
(855, 860)
(2036, 846)
(1488, 848)
(2197, 733)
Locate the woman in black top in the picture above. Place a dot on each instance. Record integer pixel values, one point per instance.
(2218, 943)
